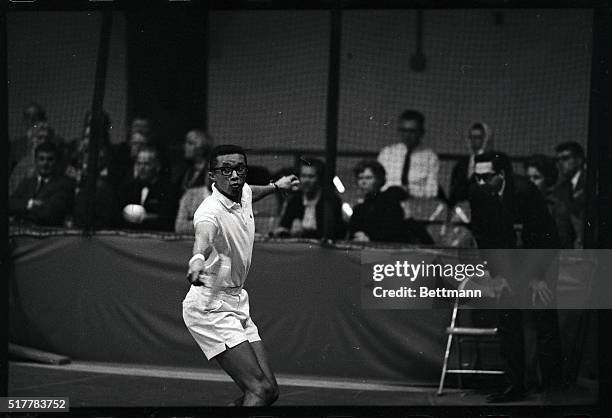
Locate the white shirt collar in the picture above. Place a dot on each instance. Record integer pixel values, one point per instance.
(575, 179)
(227, 202)
(502, 189)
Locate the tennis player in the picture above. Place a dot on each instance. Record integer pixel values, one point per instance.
(216, 308)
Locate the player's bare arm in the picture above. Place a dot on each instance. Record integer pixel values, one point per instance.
(204, 234)
(284, 184)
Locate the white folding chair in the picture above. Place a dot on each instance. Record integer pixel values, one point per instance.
(486, 334)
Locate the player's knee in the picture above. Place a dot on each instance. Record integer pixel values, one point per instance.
(263, 388)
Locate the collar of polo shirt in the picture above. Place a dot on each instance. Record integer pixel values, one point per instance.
(227, 202)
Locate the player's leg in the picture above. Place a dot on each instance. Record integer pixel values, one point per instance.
(241, 363)
(262, 358)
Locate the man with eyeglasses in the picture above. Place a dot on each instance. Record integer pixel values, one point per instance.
(499, 203)
(408, 163)
(570, 197)
(216, 308)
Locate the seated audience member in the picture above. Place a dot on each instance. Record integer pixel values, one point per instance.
(190, 201)
(104, 193)
(45, 198)
(122, 155)
(302, 215)
(478, 139)
(142, 124)
(380, 216)
(569, 194)
(147, 200)
(542, 172)
(80, 146)
(408, 163)
(26, 166)
(193, 172)
(33, 115)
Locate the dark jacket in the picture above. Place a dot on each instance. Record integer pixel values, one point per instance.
(381, 217)
(493, 226)
(104, 205)
(57, 197)
(294, 209)
(161, 200)
(459, 182)
(568, 211)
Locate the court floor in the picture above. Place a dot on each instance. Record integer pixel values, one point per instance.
(91, 384)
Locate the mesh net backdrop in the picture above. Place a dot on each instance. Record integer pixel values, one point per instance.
(51, 60)
(526, 75)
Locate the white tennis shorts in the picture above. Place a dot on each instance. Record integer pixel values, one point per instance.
(218, 319)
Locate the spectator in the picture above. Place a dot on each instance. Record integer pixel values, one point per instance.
(194, 170)
(409, 164)
(380, 216)
(45, 198)
(33, 115)
(123, 155)
(542, 172)
(80, 147)
(569, 194)
(499, 200)
(479, 137)
(26, 166)
(152, 198)
(141, 124)
(190, 201)
(302, 215)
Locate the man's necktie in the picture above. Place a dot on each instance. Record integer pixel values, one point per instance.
(39, 185)
(406, 167)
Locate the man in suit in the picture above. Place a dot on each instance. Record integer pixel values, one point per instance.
(569, 194)
(45, 198)
(500, 201)
(150, 190)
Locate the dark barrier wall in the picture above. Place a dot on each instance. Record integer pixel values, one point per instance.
(118, 298)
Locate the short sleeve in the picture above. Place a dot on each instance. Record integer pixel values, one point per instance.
(205, 213)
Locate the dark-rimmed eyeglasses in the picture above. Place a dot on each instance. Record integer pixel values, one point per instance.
(484, 176)
(227, 171)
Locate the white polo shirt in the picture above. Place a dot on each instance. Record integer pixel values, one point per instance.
(235, 235)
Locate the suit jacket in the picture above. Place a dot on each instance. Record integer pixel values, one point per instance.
(104, 205)
(161, 200)
(57, 195)
(493, 225)
(459, 182)
(568, 210)
(295, 210)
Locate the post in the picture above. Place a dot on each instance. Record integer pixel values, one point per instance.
(331, 143)
(97, 120)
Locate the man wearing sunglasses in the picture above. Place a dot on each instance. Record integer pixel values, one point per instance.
(216, 308)
(500, 202)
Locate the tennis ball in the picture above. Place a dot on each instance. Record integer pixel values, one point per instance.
(134, 213)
